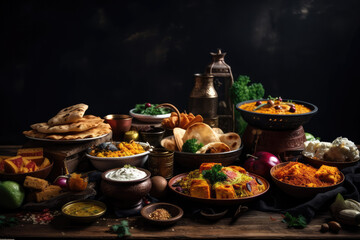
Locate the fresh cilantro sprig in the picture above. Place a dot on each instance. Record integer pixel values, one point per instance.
(295, 222)
(214, 174)
(7, 221)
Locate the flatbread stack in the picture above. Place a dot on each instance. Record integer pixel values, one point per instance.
(70, 123)
(213, 139)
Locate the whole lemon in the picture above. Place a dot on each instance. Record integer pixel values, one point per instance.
(12, 195)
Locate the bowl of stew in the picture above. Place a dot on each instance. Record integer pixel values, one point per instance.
(84, 210)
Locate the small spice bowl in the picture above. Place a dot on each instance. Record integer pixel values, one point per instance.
(175, 212)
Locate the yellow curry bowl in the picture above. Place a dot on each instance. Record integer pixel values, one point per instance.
(84, 210)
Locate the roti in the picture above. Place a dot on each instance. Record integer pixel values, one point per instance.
(101, 129)
(69, 115)
(169, 143)
(178, 135)
(231, 139)
(214, 147)
(202, 132)
(85, 123)
(218, 130)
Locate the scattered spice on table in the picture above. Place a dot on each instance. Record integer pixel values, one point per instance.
(160, 214)
(44, 217)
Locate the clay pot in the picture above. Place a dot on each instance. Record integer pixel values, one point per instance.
(126, 194)
(278, 142)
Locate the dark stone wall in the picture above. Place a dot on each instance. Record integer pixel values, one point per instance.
(114, 54)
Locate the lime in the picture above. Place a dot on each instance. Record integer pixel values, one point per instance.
(12, 195)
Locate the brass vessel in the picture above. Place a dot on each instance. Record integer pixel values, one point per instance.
(223, 80)
(204, 98)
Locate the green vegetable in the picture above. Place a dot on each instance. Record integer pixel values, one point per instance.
(260, 106)
(7, 221)
(12, 195)
(142, 109)
(310, 137)
(121, 229)
(191, 146)
(242, 90)
(214, 175)
(296, 222)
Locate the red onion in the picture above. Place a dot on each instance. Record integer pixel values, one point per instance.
(61, 181)
(260, 163)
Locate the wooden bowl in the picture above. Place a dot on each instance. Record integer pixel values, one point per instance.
(20, 177)
(175, 212)
(317, 163)
(84, 219)
(299, 191)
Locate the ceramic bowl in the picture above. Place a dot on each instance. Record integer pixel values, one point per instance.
(148, 118)
(277, 121)
(299, 191)
(106, 163)
(317, 163)
(84, 219)
(125, 194)
(175, 212)
(20, 177)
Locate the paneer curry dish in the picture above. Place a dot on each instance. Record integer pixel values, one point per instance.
(214, 181)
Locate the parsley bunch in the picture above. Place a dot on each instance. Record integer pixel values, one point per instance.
(242, 90)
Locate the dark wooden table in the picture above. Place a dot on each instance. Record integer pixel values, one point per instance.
(250, 225)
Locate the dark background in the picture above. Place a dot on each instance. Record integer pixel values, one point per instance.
(114, 54)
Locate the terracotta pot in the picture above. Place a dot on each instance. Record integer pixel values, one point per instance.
(277, 142)
(126, 194)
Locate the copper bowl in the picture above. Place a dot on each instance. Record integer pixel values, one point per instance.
(277, 121)
(175, 212)
(299, 191)
(20, 177)
(125, 194)
(120, 123)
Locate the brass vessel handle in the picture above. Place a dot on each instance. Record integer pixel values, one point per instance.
(168, 105)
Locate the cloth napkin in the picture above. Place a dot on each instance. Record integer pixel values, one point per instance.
(277, 201)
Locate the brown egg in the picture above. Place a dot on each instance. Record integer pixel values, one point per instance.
(159, 185)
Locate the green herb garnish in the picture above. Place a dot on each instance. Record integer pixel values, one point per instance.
(7, 221)
(191, 146)
(214, 174)
(260, 106)
(242, 90)
(128, 166)
(152, 110)
(295, 222)
(121, 229)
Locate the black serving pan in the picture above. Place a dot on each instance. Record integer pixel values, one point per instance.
(277, 121)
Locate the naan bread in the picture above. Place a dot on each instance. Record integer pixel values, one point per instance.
(85, 123)
(218, 130)
(214, 147)
(101, 129)
(169, 143)
(178, 135)
(231, 139)
(34, 134)
(69, 115)
(202, 132)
